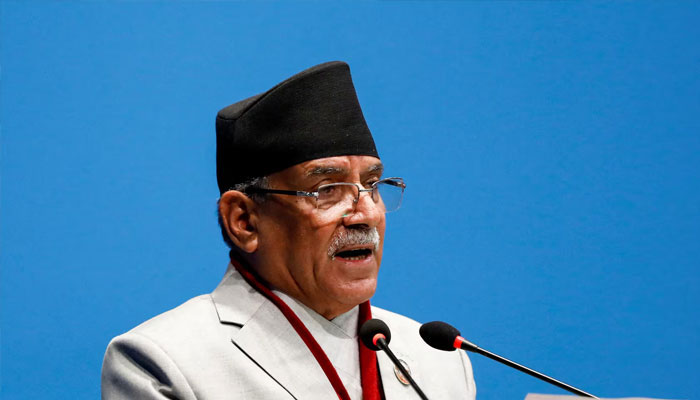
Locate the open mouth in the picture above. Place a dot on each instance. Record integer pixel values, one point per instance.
(353, 255)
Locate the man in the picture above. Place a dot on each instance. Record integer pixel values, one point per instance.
(302, 207)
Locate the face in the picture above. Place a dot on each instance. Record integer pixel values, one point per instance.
(321, 256)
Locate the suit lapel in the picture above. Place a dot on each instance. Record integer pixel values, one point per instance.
(268, 339)
(272, 343)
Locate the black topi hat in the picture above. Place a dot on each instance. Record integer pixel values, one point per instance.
(314, 114)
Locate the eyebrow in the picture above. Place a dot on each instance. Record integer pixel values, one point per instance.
(330, 170)
(326, 170)
(379, 167)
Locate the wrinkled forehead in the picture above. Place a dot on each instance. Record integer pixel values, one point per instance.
(338, 168)
(342, 166)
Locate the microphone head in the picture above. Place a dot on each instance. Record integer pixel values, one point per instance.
(439, 335)
(370, 329)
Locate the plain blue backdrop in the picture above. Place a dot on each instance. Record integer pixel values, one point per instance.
(551, 151)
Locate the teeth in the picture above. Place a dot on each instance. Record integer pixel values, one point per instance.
(353, 258)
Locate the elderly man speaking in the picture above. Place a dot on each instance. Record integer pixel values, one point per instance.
(302, 207)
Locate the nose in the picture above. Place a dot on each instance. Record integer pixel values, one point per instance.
(365, 212)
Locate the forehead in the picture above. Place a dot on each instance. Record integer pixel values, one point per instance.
(342, 165)
(337, 168)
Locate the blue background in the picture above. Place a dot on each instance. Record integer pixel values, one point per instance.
(552, 153)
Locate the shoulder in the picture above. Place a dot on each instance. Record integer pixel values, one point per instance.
(145, 362)
(195, 312)
(192, 325)
(166, 353)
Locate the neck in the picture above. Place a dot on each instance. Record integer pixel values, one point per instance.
(328, 309)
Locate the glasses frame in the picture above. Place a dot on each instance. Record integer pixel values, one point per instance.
(395, 181)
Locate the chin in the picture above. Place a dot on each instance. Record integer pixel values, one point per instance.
(357, 292)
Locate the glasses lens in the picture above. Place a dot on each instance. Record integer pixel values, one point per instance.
(387, 195)
(335, 194)
(390, 194)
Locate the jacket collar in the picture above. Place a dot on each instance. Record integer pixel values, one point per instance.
(268, 339)
(235, 301)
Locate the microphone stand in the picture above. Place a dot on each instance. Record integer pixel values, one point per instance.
(466, 345)
(381, 343)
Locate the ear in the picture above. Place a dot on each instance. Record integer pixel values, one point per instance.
(239, 216)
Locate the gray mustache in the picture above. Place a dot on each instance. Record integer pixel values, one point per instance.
(351, 237)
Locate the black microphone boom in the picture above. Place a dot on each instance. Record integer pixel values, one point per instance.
(375, 335)
(443, 336)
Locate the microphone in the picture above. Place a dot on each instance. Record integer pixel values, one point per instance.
(443, 336)
(375, 335)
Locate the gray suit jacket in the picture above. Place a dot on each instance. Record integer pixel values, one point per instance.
(235, 344)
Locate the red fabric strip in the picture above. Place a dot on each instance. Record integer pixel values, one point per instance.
(368, 359)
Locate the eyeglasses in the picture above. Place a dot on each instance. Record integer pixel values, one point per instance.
(387, 193)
